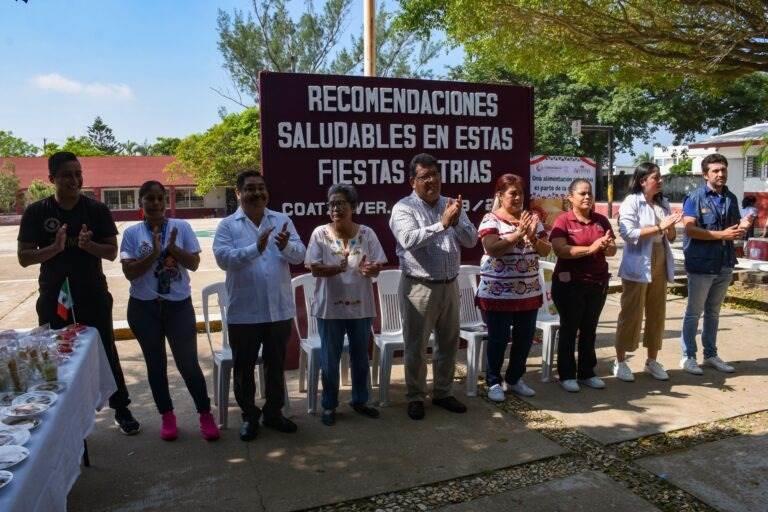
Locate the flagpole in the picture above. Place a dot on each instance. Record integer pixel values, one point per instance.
(74, 320)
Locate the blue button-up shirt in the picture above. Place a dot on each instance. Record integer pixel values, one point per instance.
(258, 283)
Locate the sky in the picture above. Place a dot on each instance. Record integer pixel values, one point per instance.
(146, 67)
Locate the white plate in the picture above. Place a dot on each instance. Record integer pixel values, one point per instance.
(56, 386)
(13, 435)
(6, 397)
(37, 397)
(27, 423)
(24, 410)
(12, 455)
(5, 478)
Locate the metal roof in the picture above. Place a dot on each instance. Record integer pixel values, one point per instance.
(734, 138)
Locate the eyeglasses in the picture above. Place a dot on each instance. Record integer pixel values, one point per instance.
(337, 205)
(424, 178)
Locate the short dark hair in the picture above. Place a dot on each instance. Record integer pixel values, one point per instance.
(748, 201)
(244, 175)
(424, 160)
(58, 159)
(714, 158)
(144, 189)
(345, 189)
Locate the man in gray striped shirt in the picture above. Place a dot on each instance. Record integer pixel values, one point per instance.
(430, 230)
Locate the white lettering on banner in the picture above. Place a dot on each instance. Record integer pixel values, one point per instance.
(360, 172)
(389, 100)
(465, 171)
(313, 209)
(340, 135)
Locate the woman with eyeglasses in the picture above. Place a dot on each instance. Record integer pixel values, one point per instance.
(156, 255)
(344, 257)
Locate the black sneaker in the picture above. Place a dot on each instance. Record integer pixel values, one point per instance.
(126, 422)
(416, 410)
(329, 417)
(281, 424)
(450, 403)
(365, 410)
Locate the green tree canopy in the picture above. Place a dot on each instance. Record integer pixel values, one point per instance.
(37, 190)
(646, 42)
(9, 187)
(214, 158)
(102, 138)
(269, 39)
(164, 146)
(681, 168)
(14, 146)
(80, 146)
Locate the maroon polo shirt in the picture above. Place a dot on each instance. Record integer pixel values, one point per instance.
(592, 268)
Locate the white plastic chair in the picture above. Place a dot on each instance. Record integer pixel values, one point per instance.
(309, 357)
(548, 321)
(222, 359)
(472, 329)
(390, 338)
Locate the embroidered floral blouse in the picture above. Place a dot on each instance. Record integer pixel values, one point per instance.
(509, 282)
(349, 294)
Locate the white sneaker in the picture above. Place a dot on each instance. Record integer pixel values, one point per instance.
(522, 389)
(690, 365)
(570, 385)
(593, 382)
(622, 371)
(718, 364)
(654, 367)
(496, 393)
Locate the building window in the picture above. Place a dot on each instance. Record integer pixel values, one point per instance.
(121, 199)
(752, 169)
(186, 198)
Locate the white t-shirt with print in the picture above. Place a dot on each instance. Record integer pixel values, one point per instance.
(349, 294)
(137, 243)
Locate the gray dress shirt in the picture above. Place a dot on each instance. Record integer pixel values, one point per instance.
(425, 248)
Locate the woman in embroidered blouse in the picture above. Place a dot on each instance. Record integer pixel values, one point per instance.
(509, 292)
(344, 257)
(582, 239)
(647, 226)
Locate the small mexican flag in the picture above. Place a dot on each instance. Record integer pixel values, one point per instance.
(65, 301)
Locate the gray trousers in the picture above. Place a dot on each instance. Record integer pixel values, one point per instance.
(426, 307)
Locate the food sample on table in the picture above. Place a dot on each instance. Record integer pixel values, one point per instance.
(12, 455)
(13, 435)
(29, 423)
(24, 410)
(5, 478)
(52, 386)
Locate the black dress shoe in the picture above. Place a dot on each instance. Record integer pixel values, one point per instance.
(281, 424)
(450, 403)
(249, 430)
(329, 417)
(416, 410)
(365, 410)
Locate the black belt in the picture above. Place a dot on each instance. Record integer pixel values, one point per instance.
(424, 280)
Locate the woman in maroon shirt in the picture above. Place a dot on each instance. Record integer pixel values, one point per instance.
(581, 240)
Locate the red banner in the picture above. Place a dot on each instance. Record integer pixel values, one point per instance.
(317, 130)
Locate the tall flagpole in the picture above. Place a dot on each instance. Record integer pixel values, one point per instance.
(369, 37)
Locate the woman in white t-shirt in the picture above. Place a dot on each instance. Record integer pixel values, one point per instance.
(156, 256)
(344, 257)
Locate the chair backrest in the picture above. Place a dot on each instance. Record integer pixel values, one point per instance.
(548, 310)
(467, 281)
(220, 290)
(387, 284)
(307, 282)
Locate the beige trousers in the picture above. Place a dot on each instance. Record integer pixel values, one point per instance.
(426, 307)
(649, 298)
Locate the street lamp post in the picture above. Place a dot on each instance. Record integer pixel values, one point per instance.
(576, 129)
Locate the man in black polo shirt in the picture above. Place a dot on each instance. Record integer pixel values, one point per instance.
(68, 234)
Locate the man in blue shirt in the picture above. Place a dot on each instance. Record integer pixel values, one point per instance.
(712, 222)
(256, 246)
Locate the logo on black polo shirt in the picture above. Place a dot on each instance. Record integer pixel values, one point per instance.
(52, 224)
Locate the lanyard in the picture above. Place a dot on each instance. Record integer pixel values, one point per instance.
(163, 232)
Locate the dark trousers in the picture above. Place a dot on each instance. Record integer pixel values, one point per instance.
(94, 311)
(523, 324)
(152, 321)
(579, 305)
(246, 340)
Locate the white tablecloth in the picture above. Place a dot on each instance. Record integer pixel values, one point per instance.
(43, 481)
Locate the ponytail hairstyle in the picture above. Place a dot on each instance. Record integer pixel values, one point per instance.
(572, 187)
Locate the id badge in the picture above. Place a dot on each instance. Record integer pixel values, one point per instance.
(564, 277)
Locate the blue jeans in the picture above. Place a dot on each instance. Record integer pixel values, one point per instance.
(705, 295)
(523, 325)
(332, 331)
